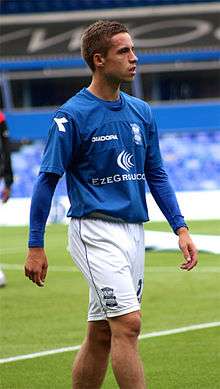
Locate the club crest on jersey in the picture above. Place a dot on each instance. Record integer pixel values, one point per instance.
(109, 297)
(136, 131)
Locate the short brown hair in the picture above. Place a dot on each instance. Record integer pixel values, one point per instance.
(96, 39)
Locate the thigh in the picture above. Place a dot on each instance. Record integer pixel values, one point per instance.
(99, 331)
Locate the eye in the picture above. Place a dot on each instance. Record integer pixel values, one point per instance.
(124, 50)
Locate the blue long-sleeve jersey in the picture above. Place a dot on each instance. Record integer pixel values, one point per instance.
(108, 151)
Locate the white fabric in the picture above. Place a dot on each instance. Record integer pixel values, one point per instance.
(111, 257)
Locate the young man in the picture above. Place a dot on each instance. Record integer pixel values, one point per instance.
(107, 143)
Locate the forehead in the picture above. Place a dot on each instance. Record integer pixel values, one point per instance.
(121, 39)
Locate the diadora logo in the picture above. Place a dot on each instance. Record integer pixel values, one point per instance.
(124, 160)
(104, 138)
(60, 122)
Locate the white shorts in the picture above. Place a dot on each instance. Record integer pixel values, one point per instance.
(111, 257)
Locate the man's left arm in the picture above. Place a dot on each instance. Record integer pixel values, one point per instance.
(165, 198)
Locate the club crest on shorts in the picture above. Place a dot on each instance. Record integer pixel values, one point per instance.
(136, 131)
(109, 297)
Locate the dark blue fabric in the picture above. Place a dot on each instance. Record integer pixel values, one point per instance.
(40, 207)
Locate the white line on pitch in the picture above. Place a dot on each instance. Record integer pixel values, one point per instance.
(39, 354)
(181, 330)
(143, 336)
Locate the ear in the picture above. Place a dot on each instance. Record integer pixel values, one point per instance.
(98, 60)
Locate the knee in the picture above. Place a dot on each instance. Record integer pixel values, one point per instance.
(127, 325)
(132, 326)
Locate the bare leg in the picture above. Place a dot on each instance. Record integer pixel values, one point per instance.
(92, 360)
(126, 363)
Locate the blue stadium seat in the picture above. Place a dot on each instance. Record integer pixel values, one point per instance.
(192, 160)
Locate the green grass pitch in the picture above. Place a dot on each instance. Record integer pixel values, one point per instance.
(35, 319)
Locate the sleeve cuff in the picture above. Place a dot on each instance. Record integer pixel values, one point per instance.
(182, 225)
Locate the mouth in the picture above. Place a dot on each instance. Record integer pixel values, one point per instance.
(132, 70)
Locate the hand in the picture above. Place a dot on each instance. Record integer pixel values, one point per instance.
(5, 194)
(188, 249)
(36, 265)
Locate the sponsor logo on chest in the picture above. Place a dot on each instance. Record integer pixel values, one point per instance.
(124, 161)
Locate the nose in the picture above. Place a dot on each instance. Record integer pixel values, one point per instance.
(133, 58)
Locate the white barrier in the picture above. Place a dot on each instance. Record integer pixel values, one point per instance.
(157, 240)
(199, 205)
(194, 206)
(15, 212)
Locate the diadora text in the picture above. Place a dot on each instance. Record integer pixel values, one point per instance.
(104, 138)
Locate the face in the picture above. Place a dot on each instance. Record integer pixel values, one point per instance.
(120, 62)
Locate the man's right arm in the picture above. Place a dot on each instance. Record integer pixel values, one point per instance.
(36, 262)
(61, 147)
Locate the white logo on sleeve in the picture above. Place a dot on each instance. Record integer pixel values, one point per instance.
(60, 122)
(124, 160)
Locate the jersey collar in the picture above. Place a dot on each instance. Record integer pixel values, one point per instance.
(116, 105)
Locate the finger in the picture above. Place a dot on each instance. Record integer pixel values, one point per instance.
(37, 279)
(187, 260)
(192, 264)
(185, 266)
(40, 284)
(31, 276)
(44, 273)
(26, 271)
(194, 259)
(194, 255)
(185, 252)
(189, 264)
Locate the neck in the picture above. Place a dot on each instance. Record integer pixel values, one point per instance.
(104, 89)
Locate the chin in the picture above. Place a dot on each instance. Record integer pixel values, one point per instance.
(128, 79)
